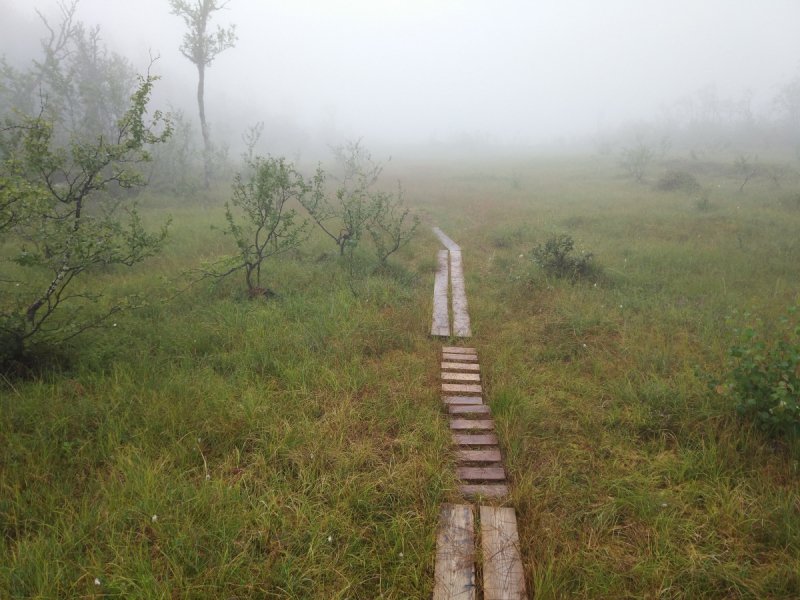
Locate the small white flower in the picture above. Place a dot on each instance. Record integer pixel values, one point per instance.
(401, 555)
(664, 506)
(312, 456)
(198, 440)
(330, 538)
(595, 285)
(521, 255)
(620, 305)
(208, 476)
(584, 345)
(114, 325)
(155, 518)
(96, 581)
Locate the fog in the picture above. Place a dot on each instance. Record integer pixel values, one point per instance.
(416, 72)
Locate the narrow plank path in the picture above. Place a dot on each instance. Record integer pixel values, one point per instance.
(480, 462)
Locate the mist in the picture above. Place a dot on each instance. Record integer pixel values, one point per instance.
(506, 73)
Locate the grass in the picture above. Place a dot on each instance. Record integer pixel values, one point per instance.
(296, 448)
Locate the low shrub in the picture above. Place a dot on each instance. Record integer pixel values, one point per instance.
(556, 260)
(679, 181)
(764, 380)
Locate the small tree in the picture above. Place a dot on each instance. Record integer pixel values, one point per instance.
(64, 224)
(747, 167)
(201, 47)
(635, 160)
(271, 227)
(388, 228)
(346, 219)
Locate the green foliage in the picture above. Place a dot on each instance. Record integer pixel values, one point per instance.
(764, 380)
(635, 160)
(54, 205)
(270, 226)
(387, 227)
(556, 260)
(679, 181)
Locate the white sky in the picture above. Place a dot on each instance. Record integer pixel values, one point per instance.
(407, 71)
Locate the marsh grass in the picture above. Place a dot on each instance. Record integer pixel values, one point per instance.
(296, 447)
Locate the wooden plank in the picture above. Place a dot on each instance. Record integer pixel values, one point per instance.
(465, 358)
(452, 366)
(490, 491)
(448, 243)
(503, 574)
(474, 440)
(462, 400)
(490, 455)
(441, 318)
(454, 569)
(470, 409)
(481, 473)
(461, 322)
(463, 424)
(460, 376)
(458, 350)
(455, 388)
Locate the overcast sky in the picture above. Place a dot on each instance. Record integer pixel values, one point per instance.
(415, 70)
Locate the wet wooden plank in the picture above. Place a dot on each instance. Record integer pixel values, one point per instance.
(460, 376)
(474, 440)
(465, 358)
(462, 400)
(454, 569)
(481, 473)
(489, 455)
(463, 424)
(503, 574)
(453, 366)
(487, 490)
(448, 243)
(458, 350)
(441, 317)
(463, 388)
(470, 409)
(461, 322)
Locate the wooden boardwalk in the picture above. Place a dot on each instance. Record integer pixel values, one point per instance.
(450, 270)
(483, 475)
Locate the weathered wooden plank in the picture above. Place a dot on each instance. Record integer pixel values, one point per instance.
(455, 388)
(481, 473)
(490, 455)
(470, 409)
(441, 317)
(461, 322)
(448, 243)
(453, 366)
(458, 350)
(454, 569)
(460, 376)
(490, 491)
(462, 400)
(503, 574)
(464, 424)
(474, 440)
(465, 358)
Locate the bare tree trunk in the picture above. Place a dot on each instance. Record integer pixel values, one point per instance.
(201, 71)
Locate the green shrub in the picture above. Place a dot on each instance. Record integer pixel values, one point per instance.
(679, 181)
(764, 380)
(554, 257)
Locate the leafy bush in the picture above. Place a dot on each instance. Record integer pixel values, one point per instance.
(554, 257)
(764, 380)
(679, 181)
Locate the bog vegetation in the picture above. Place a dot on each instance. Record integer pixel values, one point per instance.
(230, 391)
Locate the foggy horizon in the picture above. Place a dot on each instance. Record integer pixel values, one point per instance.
(513, 73)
